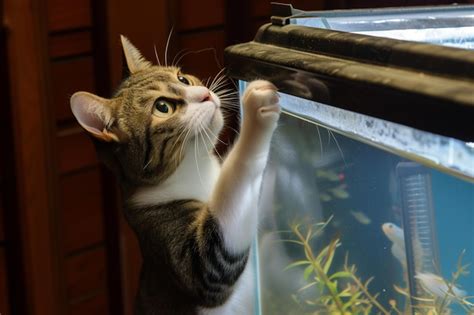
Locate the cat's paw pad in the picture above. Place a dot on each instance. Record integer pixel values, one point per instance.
(260, 101)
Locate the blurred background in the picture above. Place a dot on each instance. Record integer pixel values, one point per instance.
(64, 247)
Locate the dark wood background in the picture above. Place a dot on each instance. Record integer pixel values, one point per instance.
(64, 247)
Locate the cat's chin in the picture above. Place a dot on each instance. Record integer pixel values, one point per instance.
(217, 122)
(210, 129)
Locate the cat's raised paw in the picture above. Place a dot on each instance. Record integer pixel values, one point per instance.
(260, 101)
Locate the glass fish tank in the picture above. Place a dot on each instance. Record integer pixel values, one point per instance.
(367, 204)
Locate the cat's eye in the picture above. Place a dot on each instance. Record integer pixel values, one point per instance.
(183, 80)
(163, 108)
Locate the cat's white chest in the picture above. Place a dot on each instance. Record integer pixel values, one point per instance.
(194, 179)
(242, 300)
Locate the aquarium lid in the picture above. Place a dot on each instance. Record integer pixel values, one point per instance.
(424, 86)
(283, 13)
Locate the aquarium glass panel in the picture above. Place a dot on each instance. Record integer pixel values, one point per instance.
(364, 216)
(451, 27)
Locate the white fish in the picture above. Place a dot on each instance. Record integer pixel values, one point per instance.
(340, 192)
(437, 286)
(395, 234)
(328, 174)
(361, 217)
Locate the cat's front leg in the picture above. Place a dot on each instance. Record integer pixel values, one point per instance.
(234, 200)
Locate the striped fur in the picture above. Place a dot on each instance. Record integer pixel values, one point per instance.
(199, 265)
(194, 218)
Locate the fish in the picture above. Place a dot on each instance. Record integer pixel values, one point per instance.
(361, 217)
(438, 287)
(395, 234)
(340, 192)
(328, 174)
(325, 197)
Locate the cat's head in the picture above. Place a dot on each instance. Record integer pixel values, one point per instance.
(142, 132)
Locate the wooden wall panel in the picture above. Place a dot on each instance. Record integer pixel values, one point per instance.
(312, 5)
(81, 211)
(85, 274)
(255, 25)
(96, 305)
(206, 63)
(68, 77)
(71, 14)
(36, 282)
(4, 307)
(2, 213)
(146, 23)
(70, 44)
(76, 151)
(260, 8)
(194, 14)
(131, 260)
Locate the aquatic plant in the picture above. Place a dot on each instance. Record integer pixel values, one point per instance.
(461, 271)
(436, 303)
(331, 184)
(337, 292)
(343, 292)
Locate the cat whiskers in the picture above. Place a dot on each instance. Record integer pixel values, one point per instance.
(217, 75)
(186, 52)
(218, 79)
(206, 83)
(237, 132)
(167, 46)
(215, 136)
(173, 63)
(156, 55)
(226, 94)
(228, 97)
(229, 101)
(148, 163)
(331, 134)
(229, 94)
(183, 144)
(219, 84)
(223, 80)
(196, 154)
(212, 143)
(178, 138)
(185, 130)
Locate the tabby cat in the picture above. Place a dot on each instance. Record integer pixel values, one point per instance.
(195, 218)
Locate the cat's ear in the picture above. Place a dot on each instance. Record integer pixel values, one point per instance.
(94, 114)
(135, 60)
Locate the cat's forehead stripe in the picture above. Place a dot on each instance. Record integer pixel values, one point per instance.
(175, 89)
(142, 79)
(159, 85)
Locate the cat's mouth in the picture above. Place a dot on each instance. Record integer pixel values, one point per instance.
(204, 114)
(209, 119)
(212, 97)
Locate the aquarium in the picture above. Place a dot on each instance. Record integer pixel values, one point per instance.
(450, 26)
(367, 203)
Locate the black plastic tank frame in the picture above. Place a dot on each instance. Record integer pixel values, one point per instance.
(424, 86)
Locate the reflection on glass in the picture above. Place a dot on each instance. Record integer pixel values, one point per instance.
(450, 27)
(354, 223)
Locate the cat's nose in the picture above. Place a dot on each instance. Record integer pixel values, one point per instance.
(206, 97)
(197, 94)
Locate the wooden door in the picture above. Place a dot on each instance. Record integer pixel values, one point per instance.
(30, 197)
(4, 300)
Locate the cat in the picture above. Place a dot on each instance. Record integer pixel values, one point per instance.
(195, 217)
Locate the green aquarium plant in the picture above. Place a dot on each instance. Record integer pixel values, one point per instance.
(341, 291)
(336, 291)
(440, 293)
